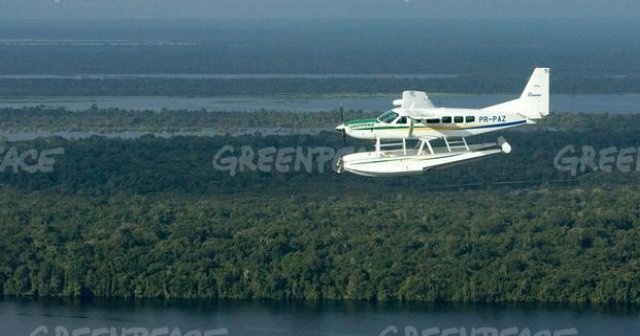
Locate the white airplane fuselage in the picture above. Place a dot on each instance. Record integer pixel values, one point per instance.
(415, 116)
(447, 122)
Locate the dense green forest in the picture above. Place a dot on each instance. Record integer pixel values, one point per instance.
(153, 217)
(542, 244)
(33, 119)
(117, 120)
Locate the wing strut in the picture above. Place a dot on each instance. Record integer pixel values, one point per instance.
(460, 143)
(425, 142)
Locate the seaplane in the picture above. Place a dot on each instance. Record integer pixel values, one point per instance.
(415, 117)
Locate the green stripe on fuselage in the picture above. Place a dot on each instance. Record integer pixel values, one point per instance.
(361, 123)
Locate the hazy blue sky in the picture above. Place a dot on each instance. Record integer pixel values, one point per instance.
(119, 9)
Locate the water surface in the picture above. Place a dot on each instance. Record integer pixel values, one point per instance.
(257, 318)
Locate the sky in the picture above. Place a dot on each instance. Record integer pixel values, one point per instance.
(304, 9)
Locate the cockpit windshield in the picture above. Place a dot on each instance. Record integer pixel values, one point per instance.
(388, 117)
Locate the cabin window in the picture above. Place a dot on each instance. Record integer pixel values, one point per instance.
(446, 120)
(458, 119)
(433, 121)
(402, 120)
(388, 117)
(470, 119)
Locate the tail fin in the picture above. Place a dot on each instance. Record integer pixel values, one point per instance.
(534, 101)
(535, 96)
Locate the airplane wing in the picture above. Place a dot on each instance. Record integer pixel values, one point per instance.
(414, 104)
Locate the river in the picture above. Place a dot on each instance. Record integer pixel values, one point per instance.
(257, 318)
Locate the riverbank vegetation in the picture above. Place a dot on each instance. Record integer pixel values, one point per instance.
(110, 120)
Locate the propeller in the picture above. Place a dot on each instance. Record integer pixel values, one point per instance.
(344, 133)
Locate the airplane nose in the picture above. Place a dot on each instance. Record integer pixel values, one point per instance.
(341, 127)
